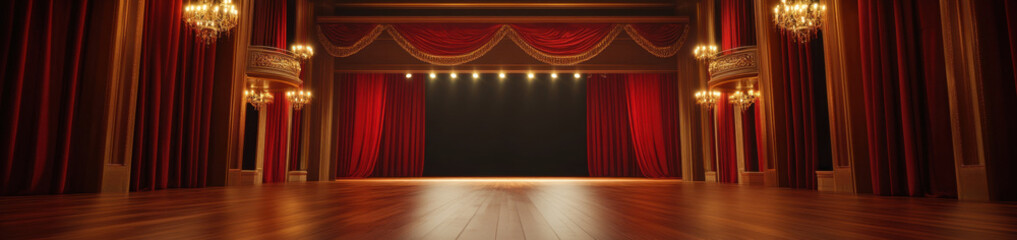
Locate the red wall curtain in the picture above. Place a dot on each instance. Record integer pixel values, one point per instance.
(42, 58)
(727, 152)
(174, 103)
(799, 168)
(749, 139)
(910, 147)
(608, 139)
(655, 146)
(632, 126)
(737, 24)
(295, 141)
(268, 26)
(360, 113)
(276, 121)
(401, 151)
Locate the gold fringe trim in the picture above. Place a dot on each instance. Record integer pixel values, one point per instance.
(448, 60)
(566, 59)
(340, 51)
(665, 51)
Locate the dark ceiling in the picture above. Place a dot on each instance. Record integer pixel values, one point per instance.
(506, 8)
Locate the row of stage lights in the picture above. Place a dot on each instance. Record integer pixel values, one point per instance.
(500, 75)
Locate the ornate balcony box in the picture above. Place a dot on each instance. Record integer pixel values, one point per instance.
(272, 68)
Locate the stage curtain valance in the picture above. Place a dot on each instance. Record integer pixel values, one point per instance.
(458, 43)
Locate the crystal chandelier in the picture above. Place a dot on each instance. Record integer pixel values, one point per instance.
(744, 100)
(707, 99)
(800, 18)
(298, 98)
(302, 52)
(704, 52)
(209, 19)
(258, 98)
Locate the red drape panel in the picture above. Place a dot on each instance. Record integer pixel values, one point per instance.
(447, 39)
(174, 103)
(563, 38)
(749, 139)
(727, 158)
(802, 158)
(737, 24)
(760, 156)
(42, 58)
(1011, 27)
(910, 149)
(361, 111)
(295, 141)
(268, 26)
(401, 152)
(608, 140)
(276, 121)
(653, 144)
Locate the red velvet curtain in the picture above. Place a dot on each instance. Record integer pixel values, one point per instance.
(608, 140)
(632, 126)
(295, 140)
(401, 151)
(799, 168)
(910, 146)
(737, 24)
(447, 39)
(749, 139)
(268, 26)
(276, 121)
(727, 152)
(171, 130)
(1010, 10)
(42, 47)
(994, 36)
(361, 108)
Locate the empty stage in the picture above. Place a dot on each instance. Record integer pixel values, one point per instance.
(502, 208)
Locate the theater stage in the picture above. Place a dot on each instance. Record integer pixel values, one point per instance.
(500, 208)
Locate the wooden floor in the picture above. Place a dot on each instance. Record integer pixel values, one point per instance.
(500, 208)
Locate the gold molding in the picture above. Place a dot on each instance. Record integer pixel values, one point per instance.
(274, 66)
(499, 19)
(522, 5)
(738, 63)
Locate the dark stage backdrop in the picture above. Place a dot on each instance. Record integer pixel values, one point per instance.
(509, 127)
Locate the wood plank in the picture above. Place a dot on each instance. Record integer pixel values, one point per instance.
(500, 208)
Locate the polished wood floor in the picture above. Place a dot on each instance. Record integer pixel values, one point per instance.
(500, 208)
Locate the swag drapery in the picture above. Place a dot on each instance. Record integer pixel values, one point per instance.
(269, 29)
(458, 43)
(380, 127)
(42, 47)
(174, 103)
(910, 145)
(632, 126)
